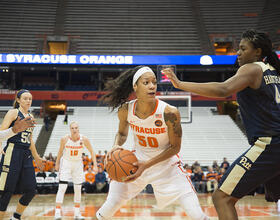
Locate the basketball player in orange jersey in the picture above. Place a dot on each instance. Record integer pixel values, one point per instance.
(157, 135)
(69, 163)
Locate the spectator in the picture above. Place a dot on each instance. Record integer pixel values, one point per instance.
(211, 178)
(52, 173)
(187, 170)
(41, 173)
(49, 165)
(198, 180)
(194, 165)
(220, 175)
(225, 164)
(90, 181)
(101, 181)
(215, 166)
(35, 167)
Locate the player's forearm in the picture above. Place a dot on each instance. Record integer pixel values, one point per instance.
(93, 157)
(120, 139)
(6, 134)
(34, 151)
(212, 89)
(168, 153)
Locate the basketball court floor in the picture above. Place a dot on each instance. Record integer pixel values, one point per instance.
(142, 207)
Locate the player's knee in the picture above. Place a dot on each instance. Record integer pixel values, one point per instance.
(27, 197)
(222, 199)
(4, 200)
(77, 193)
(60, 193)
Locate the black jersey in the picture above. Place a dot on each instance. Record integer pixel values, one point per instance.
(21, 138)
(260, 108)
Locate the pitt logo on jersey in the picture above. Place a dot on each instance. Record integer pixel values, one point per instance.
(147, 130)
(245, 162)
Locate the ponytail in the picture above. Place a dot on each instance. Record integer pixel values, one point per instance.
(273, 60)
(16, 104)
(119, 89)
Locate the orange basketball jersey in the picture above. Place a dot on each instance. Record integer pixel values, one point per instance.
(73, 149)
(150, 134)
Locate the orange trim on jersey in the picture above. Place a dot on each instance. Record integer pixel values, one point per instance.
(186, 177)
(134, 107)
(73, 140)
(155, 107)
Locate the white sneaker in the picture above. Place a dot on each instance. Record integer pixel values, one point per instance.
(57, 215)
(78, 215)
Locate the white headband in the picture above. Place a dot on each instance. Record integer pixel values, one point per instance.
(139, 73)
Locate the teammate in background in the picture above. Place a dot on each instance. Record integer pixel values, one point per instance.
(157, 131)
(69, 163)
(17, 163)
(257, 84)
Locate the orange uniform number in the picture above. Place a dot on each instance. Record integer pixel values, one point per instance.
(74, 152)
(144, 141)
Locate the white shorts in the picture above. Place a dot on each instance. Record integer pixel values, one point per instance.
(71, 170)
(168, 181)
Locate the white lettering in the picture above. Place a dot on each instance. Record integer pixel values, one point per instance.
(63, 59)
(128, 59)
(19, 58)
(54, 59)
(45, 59)
(102, 60)
(72, 59)
(93, 59)
(36, 59)
(119, 59)
(84, 59)
(10, 58)
(27, 58)
(111, 59)
(0, 57)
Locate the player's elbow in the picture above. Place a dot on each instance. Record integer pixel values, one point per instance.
(223, 91)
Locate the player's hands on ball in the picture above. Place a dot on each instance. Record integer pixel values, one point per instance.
(109, 153)
(171, 75)
(141, 167)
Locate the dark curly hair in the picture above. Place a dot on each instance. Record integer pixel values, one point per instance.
(119, 89)
(262, 40)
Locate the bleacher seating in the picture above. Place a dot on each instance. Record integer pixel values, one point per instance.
(230, 18)
(134, 27)
(209, 137)
(22, 23)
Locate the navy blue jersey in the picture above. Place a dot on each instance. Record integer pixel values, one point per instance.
(260, 108)
(21, 138)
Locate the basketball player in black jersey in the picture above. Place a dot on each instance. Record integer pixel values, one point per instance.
(257, 84)
(16, 163)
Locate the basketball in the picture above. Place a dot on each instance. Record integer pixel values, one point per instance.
(120, 165)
